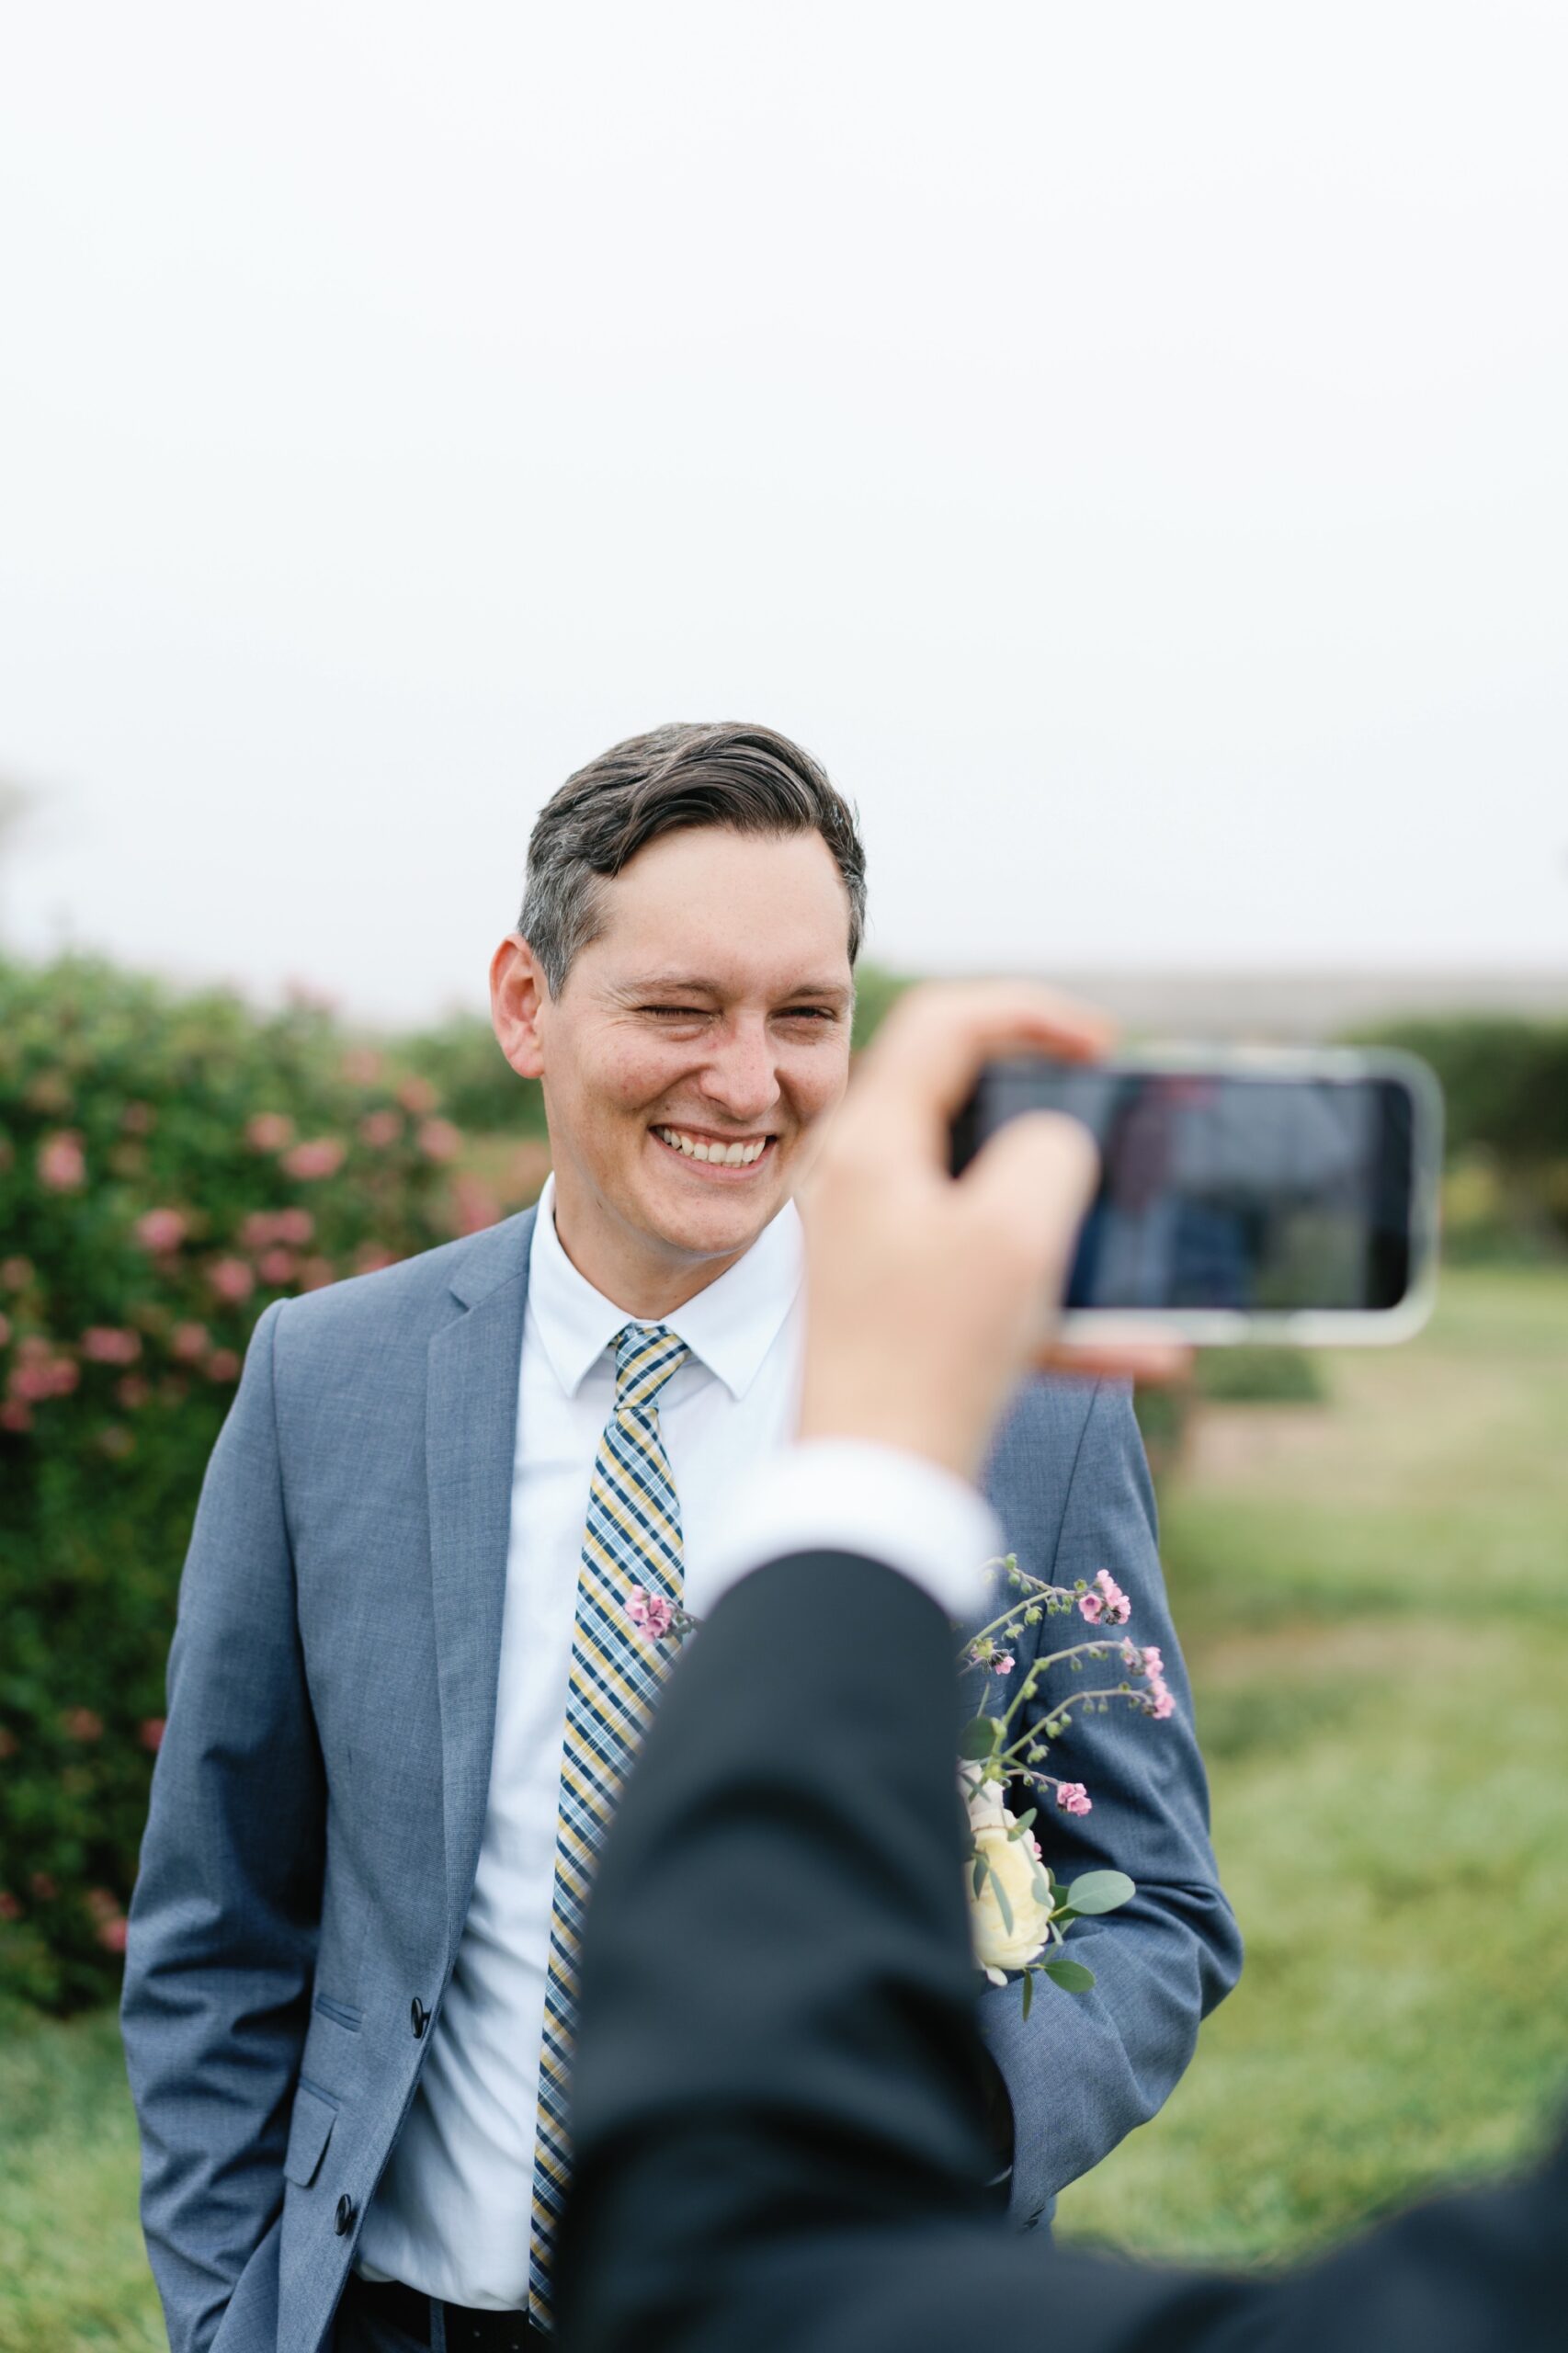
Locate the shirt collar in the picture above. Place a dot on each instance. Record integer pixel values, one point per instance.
(730, 1326)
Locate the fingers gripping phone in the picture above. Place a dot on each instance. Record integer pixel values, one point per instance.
(1282, 1195)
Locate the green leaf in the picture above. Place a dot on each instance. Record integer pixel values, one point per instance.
(1071, 1975)
(980, 1868)
(1099, 1891)
(978, 1740)
(1002, 1903)
(1029, 1991)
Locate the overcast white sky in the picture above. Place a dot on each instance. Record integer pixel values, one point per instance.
(1125, 442)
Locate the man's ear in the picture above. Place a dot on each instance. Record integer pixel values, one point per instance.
(518, 994)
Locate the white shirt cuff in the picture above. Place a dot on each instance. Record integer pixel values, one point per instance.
(849, 1496)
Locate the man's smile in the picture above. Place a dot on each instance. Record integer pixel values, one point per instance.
(734, 1155)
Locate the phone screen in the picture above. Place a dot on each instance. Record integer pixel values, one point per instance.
(1264, 1195)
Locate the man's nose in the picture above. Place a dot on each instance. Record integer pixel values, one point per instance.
(742, 1080)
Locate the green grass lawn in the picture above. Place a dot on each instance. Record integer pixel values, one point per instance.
(1373, 1596)
(1374, 1593)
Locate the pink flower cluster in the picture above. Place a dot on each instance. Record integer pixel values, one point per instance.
(1148, 1660)
(103, 1344)
(107, 1917)
(62, 1166)
(161, 1229)
(263, 1227)
(39, 1372)
(1073, 1798)
(650, 1614)
(1107, 1603)
(322, 1157)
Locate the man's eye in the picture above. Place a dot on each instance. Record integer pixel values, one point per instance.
(677, 1012)
(809, 1013)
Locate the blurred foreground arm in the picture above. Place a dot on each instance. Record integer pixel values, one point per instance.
(780, 2133)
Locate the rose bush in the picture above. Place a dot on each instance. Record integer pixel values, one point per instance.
(169, 1165)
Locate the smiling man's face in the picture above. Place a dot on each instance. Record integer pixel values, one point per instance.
(694, 1050)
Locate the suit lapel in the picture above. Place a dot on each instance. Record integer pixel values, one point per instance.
(471, 1436)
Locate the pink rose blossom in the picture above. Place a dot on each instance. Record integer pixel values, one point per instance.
(60, 1164)
(111, 1934)
(9, 1907)
(16, 1417)
(231, 1279)
(1073, 1798)
(269, 1131)
(222, 1365)
(15, 1273)
(377, 1128)
(650, 1613)
(294, 1226)
(439, 1140)
(104, 1344)
(258, 1230)
(188, 1342)
(361, 1067)
(323, 1157)
(316, 1273)
(161, 1229)
(150, 1733)
(82, 1724)
(277, 1267)
(417, 1094)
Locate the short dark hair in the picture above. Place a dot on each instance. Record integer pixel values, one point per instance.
(750, 779)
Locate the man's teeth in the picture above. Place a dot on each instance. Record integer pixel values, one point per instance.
(732, 1155)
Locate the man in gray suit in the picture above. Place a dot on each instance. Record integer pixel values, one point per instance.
(406, 1684)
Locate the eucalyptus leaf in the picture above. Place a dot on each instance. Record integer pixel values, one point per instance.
(1028, 1991)
(980, 1868)
(1099, 1891)
(1071, 1975)
(1002, 1903)
(978, 1740)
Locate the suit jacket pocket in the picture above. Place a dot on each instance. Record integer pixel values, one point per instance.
(310, 2130)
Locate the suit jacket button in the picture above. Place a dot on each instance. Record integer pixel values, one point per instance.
(419, 2017)
(344, 2218)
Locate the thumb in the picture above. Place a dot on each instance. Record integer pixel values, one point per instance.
(1034, 1179)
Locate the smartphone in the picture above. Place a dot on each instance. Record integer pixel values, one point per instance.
(1282, 1195)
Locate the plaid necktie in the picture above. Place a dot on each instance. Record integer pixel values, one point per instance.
(633, 1540)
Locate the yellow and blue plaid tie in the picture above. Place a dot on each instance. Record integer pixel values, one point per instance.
(633, 1540)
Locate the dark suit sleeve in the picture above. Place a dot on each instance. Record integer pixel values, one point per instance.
(779, 2124)
(1084, 2069)
(224, 1918)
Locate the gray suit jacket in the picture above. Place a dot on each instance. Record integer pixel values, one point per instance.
(319, 1793)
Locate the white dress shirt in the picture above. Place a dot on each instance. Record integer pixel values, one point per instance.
(453, 2214)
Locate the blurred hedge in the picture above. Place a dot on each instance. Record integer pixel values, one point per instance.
(169, 1166)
